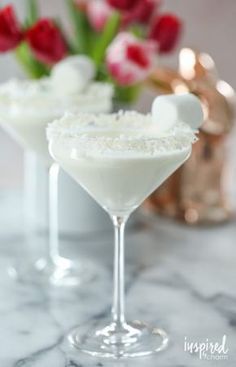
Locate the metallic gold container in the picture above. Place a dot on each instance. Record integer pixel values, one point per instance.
(195, 193)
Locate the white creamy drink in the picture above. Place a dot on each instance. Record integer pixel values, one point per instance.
(119, 158)
(27, 106)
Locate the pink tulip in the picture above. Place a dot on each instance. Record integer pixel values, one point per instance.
(98, 12)
(130, 60)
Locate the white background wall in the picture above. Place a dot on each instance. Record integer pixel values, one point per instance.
(210, 25)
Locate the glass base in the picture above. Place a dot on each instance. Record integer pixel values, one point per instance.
(134, 339)
(62, 272)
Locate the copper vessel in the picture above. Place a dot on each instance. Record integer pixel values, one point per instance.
(195, 193)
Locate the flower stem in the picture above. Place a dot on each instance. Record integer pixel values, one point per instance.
(127, 94)
(32, 67)
(32, 12)
(105, 39)
(81, 28)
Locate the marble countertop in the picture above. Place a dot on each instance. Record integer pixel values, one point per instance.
(181, 279)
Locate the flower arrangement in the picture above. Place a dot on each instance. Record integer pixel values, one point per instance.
(123, 37)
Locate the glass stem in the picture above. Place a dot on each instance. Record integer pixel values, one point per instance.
(30, 195)
(53, 213)
(118, 309)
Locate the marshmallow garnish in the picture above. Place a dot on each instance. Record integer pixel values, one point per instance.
(167, 110)
(72, 74)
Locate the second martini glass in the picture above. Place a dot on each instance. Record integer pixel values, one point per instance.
(119, 159)
(26, 107)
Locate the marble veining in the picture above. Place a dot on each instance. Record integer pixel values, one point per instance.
(181, 279)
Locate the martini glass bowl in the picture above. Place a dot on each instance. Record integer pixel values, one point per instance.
(26, 108)
(119, 159)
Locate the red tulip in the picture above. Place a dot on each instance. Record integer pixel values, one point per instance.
(10, 30)
(166, 31)
(141, 12)
(46, 41)
(130, 60)
(144, 10)
(122, 4)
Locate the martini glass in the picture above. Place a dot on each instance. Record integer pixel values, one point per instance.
(26, 108)
(119, 159)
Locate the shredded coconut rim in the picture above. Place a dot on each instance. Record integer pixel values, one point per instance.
(119, 133)
(38, 96)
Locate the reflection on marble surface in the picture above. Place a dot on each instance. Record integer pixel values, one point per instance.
(178, 278)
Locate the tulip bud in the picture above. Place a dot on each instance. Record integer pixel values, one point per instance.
(122, 4)
(166, 31)
(98, 12)
(46, 41)
(10, 31)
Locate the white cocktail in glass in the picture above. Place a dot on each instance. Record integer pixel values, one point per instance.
(26, 107)
(119, 159)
